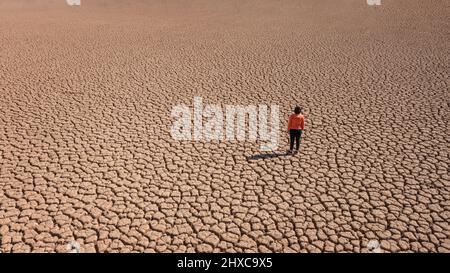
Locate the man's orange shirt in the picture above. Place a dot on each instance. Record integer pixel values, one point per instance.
(296, 122)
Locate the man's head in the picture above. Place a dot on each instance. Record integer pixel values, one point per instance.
(297, 110)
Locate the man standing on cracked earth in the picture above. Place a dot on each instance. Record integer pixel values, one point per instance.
(296, 125)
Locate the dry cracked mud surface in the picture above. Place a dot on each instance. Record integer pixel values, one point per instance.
(87, 157)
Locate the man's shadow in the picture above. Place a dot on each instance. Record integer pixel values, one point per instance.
(266, 156)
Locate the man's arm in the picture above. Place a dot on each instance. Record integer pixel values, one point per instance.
(289, 123)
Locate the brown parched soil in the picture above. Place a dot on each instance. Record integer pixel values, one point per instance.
(86, 153)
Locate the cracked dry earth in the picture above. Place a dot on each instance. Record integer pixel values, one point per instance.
(87, 157)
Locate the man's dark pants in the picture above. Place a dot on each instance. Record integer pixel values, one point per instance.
(295, 135)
